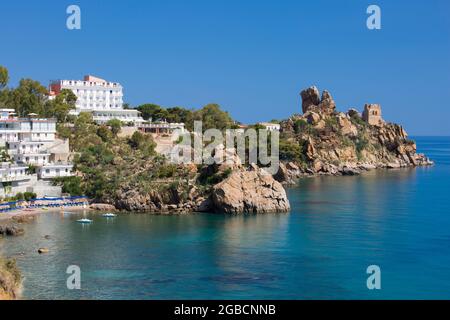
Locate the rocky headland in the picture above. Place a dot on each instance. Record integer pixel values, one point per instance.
(126, 173)
(328, 142)
(224, 188)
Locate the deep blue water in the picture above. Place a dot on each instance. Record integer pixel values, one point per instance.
(396, 219)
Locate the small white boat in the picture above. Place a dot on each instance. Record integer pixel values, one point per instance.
(109, 215)
(84, 221)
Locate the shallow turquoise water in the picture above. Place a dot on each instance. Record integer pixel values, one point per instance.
(398, 219)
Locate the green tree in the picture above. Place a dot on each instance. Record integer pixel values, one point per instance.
(63, 131)
(143, 142)
(4, 77)
(153, 111)
(290, 151)
(212, 116)
(28, 97)
(179, 114)
(85, 132)
(115, 125)
(104, 133)
(71, 185)
(60, 106)
(29, 196)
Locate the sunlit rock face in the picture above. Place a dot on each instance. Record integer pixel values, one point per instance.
(250, 191)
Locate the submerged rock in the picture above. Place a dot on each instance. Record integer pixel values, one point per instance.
(43, 250)
(11, 230)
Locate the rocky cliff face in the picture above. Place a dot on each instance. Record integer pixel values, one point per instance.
(230, 187)
(321, 141)
(10, 279)
(334, 142)
(250, 191)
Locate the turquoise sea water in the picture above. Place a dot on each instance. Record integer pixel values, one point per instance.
(397, 219)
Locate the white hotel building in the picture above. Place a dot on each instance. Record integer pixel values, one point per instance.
(31, 142)
(102, 98)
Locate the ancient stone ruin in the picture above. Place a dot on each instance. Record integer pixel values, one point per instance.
(372, 114)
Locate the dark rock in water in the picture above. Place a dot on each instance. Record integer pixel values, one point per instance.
(347, 171)
(43, 250)
(102, 207)
(47, 237)
(205, 205)
(24, 218)
(11, 230)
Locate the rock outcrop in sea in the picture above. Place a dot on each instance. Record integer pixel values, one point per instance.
(240, 190)
(11, 230)
(338, 143)
(320, 141)
(250, 191)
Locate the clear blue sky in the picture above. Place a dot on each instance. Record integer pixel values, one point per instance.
(251, 57)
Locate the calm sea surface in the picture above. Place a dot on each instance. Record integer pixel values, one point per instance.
(338, 226)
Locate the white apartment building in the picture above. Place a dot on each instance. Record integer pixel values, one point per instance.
(102, 98)
(54, 170)
(31, 141)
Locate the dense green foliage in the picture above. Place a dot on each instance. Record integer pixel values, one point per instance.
(211, 178)
(211, 115)
(71, 185)
(27, 196)
(4, 77)
(290, 150)
(115, 125)
(30, 96)
(109, 163)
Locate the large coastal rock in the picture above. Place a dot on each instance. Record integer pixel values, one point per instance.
(310, 98)
(340, 143)
(10, 279)
(250, 191)
(311, 101)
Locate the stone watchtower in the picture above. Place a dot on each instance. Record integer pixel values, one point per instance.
(372, 114)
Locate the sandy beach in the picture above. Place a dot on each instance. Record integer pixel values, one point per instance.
(29, 213)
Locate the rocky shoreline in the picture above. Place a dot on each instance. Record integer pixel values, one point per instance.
(320, 141)
(10, 275)
(246, 190)
(338, 143)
